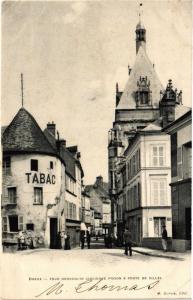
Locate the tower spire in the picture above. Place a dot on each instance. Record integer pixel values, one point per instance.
(22, 89)
(140, 31)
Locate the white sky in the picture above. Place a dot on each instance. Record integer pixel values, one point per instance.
(73, 53)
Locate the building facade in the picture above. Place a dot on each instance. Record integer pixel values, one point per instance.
(34, 188)
(138, 152)
(100, 202)
(181, 169)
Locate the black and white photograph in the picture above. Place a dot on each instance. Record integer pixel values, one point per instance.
(96, 141)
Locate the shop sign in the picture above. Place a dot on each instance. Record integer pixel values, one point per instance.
(40, 178)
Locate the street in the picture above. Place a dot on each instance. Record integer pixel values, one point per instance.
(48, 267)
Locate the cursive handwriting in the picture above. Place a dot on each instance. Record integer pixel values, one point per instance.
(87, 287)
(92, 285)
(55, 289)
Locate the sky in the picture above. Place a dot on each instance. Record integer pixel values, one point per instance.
(72, 53)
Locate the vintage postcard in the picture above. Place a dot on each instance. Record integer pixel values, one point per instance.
(96, 140)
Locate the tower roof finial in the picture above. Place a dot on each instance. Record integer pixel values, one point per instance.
(22, 89)
(140, 11)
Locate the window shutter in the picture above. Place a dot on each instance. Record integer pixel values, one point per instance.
(155, 162)
(155, 193)
(161, 156)
(5, 227)
(162, 192)
(179, 162)
(20, 222)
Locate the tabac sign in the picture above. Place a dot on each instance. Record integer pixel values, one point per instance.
(40, 178)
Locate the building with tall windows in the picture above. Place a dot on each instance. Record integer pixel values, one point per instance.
(139, 161)
(38, 174)
(181, 180)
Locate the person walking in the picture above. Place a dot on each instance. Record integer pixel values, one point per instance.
(164, 238)
(67, 242)
(128, 242)
(88, 239)
(82, 239)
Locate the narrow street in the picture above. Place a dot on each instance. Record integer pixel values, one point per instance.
(75, 266)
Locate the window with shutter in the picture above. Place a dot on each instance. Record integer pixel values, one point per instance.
(158, 192)
(158, 156)
(159, 222)
(12, 195)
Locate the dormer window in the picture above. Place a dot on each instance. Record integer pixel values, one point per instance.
(143, 94)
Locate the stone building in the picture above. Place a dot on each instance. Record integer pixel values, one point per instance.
(142, 109)
(100, 202)
(181, 169)
(86, 210)
(34, 189)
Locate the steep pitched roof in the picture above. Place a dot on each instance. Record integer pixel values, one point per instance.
(24, 135)
(142, 67)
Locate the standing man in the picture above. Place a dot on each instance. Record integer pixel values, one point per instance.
(88, 239)
(164, 238)
(128, 242)
(82, 233)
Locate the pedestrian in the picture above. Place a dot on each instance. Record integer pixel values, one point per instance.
(59, 245)
(21, 241)
(88, 239)
(164, 238)
(82, 239)
(67, 242)
(128, 242)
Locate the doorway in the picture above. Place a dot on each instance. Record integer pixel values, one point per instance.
(53, 233)
(188, 223)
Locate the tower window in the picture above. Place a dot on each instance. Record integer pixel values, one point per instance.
(143, 97)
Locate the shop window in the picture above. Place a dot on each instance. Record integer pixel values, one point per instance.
(51, 165)
(12, 195)
(7, 165)
(34, 165)
(159, 222)
(13, 223)
(38, 195)
(30, 226)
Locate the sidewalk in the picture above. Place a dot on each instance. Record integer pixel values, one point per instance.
(160, 253)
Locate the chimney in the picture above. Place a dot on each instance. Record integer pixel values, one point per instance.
(51, 127)
(60, 144)
(99, 181)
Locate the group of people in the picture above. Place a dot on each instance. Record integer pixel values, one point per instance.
(85, 235)
(27, 240)
(64, 240)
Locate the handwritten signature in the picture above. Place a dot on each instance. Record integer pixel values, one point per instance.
(91, 285)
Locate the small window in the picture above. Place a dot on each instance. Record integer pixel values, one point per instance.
(51, 165)
(7, 165)
(34, 165)
(38, 195)
(12, 195)
(30, 226)
(13, 223)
